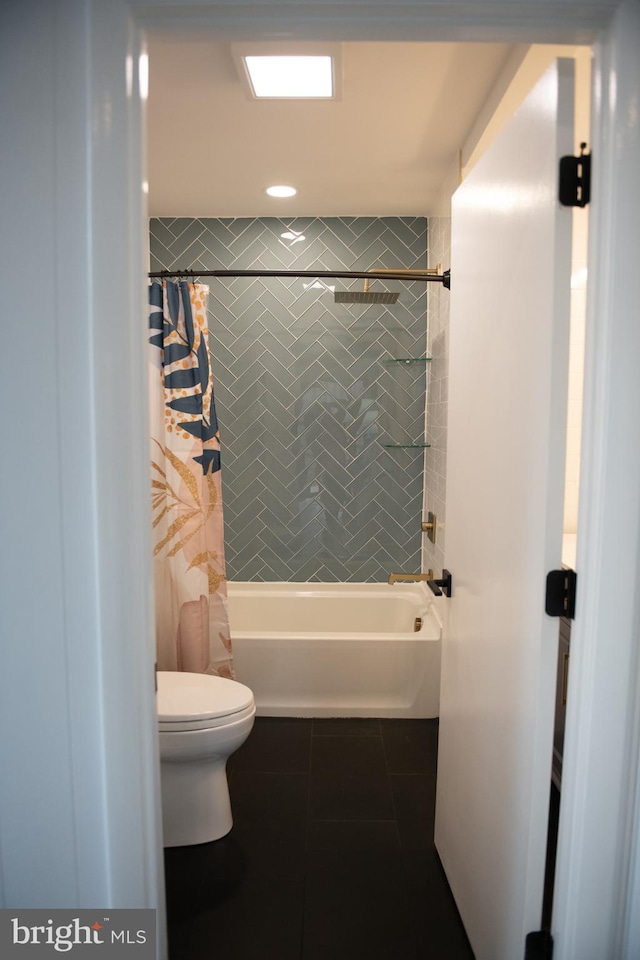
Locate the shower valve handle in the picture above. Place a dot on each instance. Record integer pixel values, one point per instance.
(445, 583)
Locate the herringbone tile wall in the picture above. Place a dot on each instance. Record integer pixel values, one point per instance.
(306, 395)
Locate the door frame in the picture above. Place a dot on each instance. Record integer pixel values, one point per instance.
(598, 874)
(598, 865)
(585, 912)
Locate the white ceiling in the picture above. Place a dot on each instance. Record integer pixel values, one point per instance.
(383, 149)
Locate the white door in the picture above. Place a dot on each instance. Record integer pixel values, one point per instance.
(510, 268)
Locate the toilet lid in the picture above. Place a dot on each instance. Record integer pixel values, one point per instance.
(197, 696)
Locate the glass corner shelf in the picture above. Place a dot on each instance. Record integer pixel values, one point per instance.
(409, 360)
(406, 446)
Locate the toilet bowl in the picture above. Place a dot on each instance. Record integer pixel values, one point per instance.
(202, 720)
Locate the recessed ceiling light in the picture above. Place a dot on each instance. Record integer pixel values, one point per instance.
(281, 191)
(290, 77)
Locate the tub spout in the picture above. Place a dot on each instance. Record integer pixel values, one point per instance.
(395, 577)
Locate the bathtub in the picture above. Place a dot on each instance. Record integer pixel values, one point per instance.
(337, 649)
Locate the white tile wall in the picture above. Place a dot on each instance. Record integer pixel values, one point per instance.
(435, 472)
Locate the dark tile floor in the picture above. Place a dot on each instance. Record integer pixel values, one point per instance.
(331, 856)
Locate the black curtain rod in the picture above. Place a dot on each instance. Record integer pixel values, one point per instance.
(444, 278)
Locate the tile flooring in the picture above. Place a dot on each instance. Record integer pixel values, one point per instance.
(331, 856)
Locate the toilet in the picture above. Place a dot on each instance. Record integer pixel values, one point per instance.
(202, 720)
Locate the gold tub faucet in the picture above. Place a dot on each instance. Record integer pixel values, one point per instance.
(395, 577)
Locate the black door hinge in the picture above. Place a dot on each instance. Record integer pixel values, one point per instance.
(538, 946)
(574, 184)
(560, 600)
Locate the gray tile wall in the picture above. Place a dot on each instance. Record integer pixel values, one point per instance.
(304, 396)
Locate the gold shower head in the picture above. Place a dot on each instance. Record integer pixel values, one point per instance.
(384, 296)
(365, 295)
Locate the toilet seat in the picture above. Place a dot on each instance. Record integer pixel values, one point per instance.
(197, 701)
(178, 726)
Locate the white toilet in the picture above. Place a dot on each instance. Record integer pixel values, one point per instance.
(202, 720)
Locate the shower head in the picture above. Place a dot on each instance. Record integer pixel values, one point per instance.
(364, 296)
(387, 296)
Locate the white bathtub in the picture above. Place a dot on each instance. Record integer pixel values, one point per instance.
(337, 649)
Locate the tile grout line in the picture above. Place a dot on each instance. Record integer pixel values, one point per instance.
(306, 848)
(403, 867)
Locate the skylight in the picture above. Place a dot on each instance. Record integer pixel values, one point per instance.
(286, 77)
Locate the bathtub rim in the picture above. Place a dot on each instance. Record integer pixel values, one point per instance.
(313, 587)
(418, 636)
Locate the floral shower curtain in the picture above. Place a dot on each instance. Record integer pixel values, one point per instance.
(192, 626)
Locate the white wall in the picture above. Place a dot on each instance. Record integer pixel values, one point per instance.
(43, 617)
(79, 823)
(576, 378)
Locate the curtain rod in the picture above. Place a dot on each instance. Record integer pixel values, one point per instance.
(407, 275)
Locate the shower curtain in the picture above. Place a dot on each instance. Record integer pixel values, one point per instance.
(192, 627)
